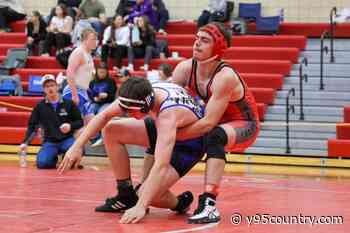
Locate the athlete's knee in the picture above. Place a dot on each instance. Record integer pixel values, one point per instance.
(215, 141)
(111, 128)
(45, 164)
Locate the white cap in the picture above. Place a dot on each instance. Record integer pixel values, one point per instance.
(47, 77)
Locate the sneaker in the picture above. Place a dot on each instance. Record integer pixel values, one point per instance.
(118, 204)
(184, 204)
(206, 211)
(98, 142)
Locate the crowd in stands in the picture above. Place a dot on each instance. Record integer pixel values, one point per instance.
(131, 33)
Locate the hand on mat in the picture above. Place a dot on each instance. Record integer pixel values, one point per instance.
(71, 159)
(133, 215)
(65, 128)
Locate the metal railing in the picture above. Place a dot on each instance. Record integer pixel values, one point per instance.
(332, 31)
(302, 77)
(288, 109)
(323, 49)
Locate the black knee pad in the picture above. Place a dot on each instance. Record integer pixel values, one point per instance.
(215, 141)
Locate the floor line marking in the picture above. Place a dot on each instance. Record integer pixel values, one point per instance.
(205, 227)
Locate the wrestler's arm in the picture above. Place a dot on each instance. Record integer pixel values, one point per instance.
(98, 122)
(166, 130)
(74, 153)
(226, 87)
(74, 61)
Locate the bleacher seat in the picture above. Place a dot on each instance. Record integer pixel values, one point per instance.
(343, 131)
(339, 148)
(347, 114)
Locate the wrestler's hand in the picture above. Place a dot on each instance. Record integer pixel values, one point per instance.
(133, 215)
(71, 158)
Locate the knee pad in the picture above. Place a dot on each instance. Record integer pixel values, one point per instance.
(215, 141)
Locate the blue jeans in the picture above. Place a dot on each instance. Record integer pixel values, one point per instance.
(48, 154)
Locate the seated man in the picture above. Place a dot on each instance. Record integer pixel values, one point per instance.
(216, 11)
(95, 12)
(171, 107)
(10, 11)
(59, 118)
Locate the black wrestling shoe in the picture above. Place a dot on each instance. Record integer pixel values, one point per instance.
(184, 203)
(206, 211)
(119, 203)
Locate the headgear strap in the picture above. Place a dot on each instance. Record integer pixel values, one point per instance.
(143, 105)
(220, 44)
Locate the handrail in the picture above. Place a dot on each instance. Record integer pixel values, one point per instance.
(322, 50)
(332, 31)
(302, 77)
(288, 109)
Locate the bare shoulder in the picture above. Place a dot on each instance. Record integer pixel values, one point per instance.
(227, 76)
(182, 72)
(184, 65)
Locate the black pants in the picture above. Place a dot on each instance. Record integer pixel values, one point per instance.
(147, 53)
(59, 40)
(163, 17)
(207, 17)
(7, 15)
(118, 53)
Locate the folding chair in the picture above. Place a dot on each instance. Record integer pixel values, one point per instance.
(268, 25)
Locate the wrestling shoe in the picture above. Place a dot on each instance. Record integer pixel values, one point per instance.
(184, 203)
(206, 211)
(119, 203)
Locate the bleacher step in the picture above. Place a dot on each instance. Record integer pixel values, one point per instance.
(295, 143)
(282, 151)
(329, 111)
(299, 126)
(296, 134)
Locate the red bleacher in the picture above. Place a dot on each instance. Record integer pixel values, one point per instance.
(306, 29)
(341, 145)
(262, 61)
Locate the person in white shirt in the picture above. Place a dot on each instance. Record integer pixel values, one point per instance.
(80, 71)
(59, 31)
(115, 41)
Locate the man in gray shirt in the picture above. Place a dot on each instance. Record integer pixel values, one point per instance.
(216, 11)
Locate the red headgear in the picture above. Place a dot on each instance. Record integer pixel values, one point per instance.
(220, 43)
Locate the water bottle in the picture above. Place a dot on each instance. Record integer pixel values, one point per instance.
(23, 158)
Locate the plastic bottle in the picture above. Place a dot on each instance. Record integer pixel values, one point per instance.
(23, 158)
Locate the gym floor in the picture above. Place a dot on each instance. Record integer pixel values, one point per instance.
(34, 200)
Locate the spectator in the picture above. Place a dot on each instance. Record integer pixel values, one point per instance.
(36, 33)
(145, 47)
(122, 74)
(165, 72)
(81, 24)
(115, 41)
(59, 118)
(125, 7)
(72, 8)
(143, 8)
(95, 12)
(216, 12)
(162, 15)
(58, 31)
(102, 90)
(10, 11)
